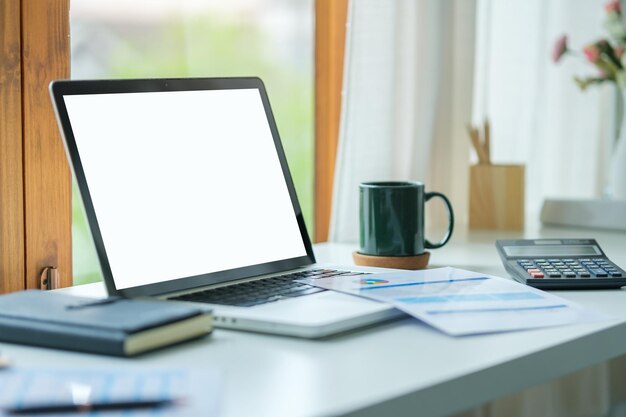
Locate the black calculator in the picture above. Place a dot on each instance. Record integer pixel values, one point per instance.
(563, 264)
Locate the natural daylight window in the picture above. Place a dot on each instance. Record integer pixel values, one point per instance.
(272, 39)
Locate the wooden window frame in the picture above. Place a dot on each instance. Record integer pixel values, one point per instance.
(330, 34)
(35, 186)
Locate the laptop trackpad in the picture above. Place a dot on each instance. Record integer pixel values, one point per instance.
(311, 310)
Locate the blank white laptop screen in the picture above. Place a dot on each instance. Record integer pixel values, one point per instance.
(183, 183)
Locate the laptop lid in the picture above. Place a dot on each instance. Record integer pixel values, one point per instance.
(184, 181)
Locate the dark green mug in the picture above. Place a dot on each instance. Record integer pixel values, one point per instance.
(392, 218)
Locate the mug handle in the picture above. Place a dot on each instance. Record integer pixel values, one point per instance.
(427, 244)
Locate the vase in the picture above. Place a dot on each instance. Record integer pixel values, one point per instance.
(617, 166)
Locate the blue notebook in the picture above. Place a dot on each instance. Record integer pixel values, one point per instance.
(113, 326)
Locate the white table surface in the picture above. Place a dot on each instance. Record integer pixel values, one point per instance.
(398, 368)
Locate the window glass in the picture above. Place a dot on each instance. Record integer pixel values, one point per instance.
(272, 39)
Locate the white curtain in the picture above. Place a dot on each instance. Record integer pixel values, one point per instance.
(539, 116)
(407, 97)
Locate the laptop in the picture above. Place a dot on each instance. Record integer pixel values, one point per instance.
(189, 197)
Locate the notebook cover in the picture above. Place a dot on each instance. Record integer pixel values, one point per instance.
(64, 321)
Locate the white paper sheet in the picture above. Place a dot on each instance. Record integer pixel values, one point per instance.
(460, 302)
(199, 390)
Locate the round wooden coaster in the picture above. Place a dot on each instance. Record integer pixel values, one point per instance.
(397, 262)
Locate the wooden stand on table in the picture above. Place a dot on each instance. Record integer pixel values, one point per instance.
(496, 197)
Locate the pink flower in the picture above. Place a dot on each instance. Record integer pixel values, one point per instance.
(592, 53)
(613, 7)
(560, 48)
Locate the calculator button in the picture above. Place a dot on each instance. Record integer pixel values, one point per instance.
(568, 260)
(554, 260)
(533, 271)
(585, 275)
(601, 274)
(585, 260)
(540, 260)
(536, 275)
(554, 274)
(616, 274)
(570, 275)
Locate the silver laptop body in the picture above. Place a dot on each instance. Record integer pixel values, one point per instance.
(186, 188)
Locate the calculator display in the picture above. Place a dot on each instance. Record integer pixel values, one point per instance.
(552, 250)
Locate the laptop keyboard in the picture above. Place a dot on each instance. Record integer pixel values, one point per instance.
(252, 293)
